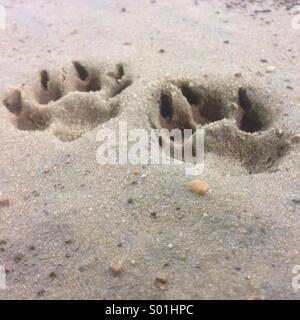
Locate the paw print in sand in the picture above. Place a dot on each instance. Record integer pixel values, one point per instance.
(68, 102)
(237, 120)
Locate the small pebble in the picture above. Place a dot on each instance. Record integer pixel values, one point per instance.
(161, 281)
(270, 69)
(296, 200)
(198, 186)
(4, 202)
(52, 275)
(296, 138)
(8, 268)
(116, 269)
(279, 133)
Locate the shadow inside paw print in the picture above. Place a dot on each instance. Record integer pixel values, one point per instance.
(68, 102)
(237, 121)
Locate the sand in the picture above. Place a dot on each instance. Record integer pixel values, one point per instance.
(71, 228)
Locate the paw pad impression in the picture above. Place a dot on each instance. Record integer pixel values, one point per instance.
(237, 121)
(69, 102)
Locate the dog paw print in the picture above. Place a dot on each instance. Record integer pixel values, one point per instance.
(68, 102)
(236, 119)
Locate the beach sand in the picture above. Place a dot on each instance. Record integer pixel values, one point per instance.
(71, 228)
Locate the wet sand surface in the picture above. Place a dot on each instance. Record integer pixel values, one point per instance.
(70, 222)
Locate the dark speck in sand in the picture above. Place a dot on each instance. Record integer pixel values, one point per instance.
(296, 200)
(41, 293)
(153, 215)
(4, 202)
(130, 201)
(52, 275)
(18, 257)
